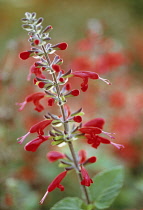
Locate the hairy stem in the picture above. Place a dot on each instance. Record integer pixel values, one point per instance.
(66, 130)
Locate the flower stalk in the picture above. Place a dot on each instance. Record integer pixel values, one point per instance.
(66, 131)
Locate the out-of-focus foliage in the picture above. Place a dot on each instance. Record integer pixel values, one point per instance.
(116, 53)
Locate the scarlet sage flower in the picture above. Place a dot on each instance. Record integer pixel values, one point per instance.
(37, 128)
(82, 154)
(83, 157)
(53, 156)
(85, 75)
(36, 71)
(35, 143)
(35, 98)
(86, 179)
(55, 184)
(91, 131)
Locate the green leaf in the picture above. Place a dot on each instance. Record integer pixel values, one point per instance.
(106, 187)
(69, 203)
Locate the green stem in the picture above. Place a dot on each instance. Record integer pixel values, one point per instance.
(66, 129)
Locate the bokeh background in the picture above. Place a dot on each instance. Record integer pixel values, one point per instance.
(103, 36)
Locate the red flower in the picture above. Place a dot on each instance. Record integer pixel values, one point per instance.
(24, 55)
(83, 157)
(85, 75)
(86, 179)
(35, 98)
(60, 46)
(91, 130)
(35, 143)
(77, 119)
(36, 71)
(55, 184)
(54, 156)
(51, 101)
(38, 127)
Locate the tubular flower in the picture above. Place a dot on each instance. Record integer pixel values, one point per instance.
(35, 143)
(86, 179)
(55, 184)
(53, 156)
(36, 71)
(91, 131)
(85, 75)
(35, 98)
(82, 154)
(37, 128)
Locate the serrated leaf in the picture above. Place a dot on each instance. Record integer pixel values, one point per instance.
(106, 187)
(69, 203)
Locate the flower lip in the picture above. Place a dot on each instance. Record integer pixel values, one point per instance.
(96, 122)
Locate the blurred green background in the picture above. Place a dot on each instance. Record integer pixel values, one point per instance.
(25, 176)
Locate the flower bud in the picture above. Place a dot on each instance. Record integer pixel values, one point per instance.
(77, 119)
(24, 55)
(51, 101)
(56, 68)
(60, 46)
(75, 92)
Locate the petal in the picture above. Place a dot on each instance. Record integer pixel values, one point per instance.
(90, 130)
(96, 122)
(54, 156)
(82, 155)
(38, 127)
(55, 183)
(35, 143)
